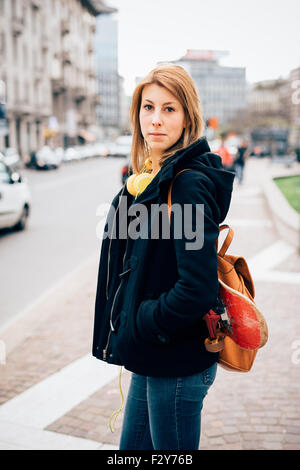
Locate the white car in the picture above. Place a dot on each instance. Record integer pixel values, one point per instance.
(71, 153)
(48, 158)
(11, 158)
(121, 147)
(100, 149)
(15, 199)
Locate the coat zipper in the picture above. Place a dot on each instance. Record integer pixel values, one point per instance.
(113, 304)
(111, 313)
(108, 260)
(111, 325)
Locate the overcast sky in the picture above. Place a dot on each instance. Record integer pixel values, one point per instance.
(261, 35)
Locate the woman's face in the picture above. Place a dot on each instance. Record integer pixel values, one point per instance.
(161, 118)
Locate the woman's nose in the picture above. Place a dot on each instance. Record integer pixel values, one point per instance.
(156, 120)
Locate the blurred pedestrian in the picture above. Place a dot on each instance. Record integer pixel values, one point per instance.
(226, 156)
(239, 163)
(153, 292)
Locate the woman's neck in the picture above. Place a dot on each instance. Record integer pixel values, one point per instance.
(155, 164)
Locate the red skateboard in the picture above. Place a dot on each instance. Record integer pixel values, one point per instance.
(238, 317)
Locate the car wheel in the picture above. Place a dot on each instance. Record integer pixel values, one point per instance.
(21, 225)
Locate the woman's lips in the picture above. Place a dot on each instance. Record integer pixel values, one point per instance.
(155, 134)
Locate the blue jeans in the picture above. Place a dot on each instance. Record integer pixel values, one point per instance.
(164, 413)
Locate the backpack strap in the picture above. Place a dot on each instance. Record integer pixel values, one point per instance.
(227, 240)
(170, 192)
(230, 234)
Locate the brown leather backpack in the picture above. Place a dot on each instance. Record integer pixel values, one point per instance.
(234, 272)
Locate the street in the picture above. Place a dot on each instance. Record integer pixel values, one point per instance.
(61, 231)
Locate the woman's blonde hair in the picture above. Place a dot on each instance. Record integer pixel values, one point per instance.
(178, 82)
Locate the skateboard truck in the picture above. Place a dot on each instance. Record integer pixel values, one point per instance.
(215, 342)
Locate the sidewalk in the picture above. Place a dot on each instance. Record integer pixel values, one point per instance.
(55, 395)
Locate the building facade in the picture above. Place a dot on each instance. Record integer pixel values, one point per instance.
(48, 67)
(106, 54)
(294, 109)
(269, 98)
(294, 97)
(222, 90)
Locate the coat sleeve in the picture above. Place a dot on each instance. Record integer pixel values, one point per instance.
(196, 289)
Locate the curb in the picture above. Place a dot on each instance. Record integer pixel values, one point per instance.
(286, 219)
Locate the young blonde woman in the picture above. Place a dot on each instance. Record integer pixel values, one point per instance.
(153, 291)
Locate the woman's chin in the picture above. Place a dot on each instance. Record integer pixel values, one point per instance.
(157, 148)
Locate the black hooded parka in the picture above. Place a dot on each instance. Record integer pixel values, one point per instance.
(153, 292)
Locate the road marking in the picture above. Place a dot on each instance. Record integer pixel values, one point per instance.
(249, 222)
(277, 276)
(19, 437)
(247, 201)
(53, 397)
(270, 256)
(252, 191)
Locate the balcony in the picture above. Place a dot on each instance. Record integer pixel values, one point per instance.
(65, 27)
(92, 73)
(96, 7)
(45, 42)
(44, 110)
(36, 4)
(97, 99)
(58, 85)
(79, 93)
(66, 58)
(17, 25)
(21, 108)
(38, 73)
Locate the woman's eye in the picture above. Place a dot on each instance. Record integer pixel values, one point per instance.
(170, 109)
(147, 106)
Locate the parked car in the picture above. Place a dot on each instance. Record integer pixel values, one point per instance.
(100, 149)
(11, 158)
(126, 170)
(71, 154)
(59, 153)
(48, 157)
(86, 151)
(121, 147)
(15, 198)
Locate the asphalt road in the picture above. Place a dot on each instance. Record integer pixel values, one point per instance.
(61, 232)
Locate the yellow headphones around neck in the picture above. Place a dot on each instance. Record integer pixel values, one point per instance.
(138, 182)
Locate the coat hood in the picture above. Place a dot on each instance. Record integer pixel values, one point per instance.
(199, 157)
